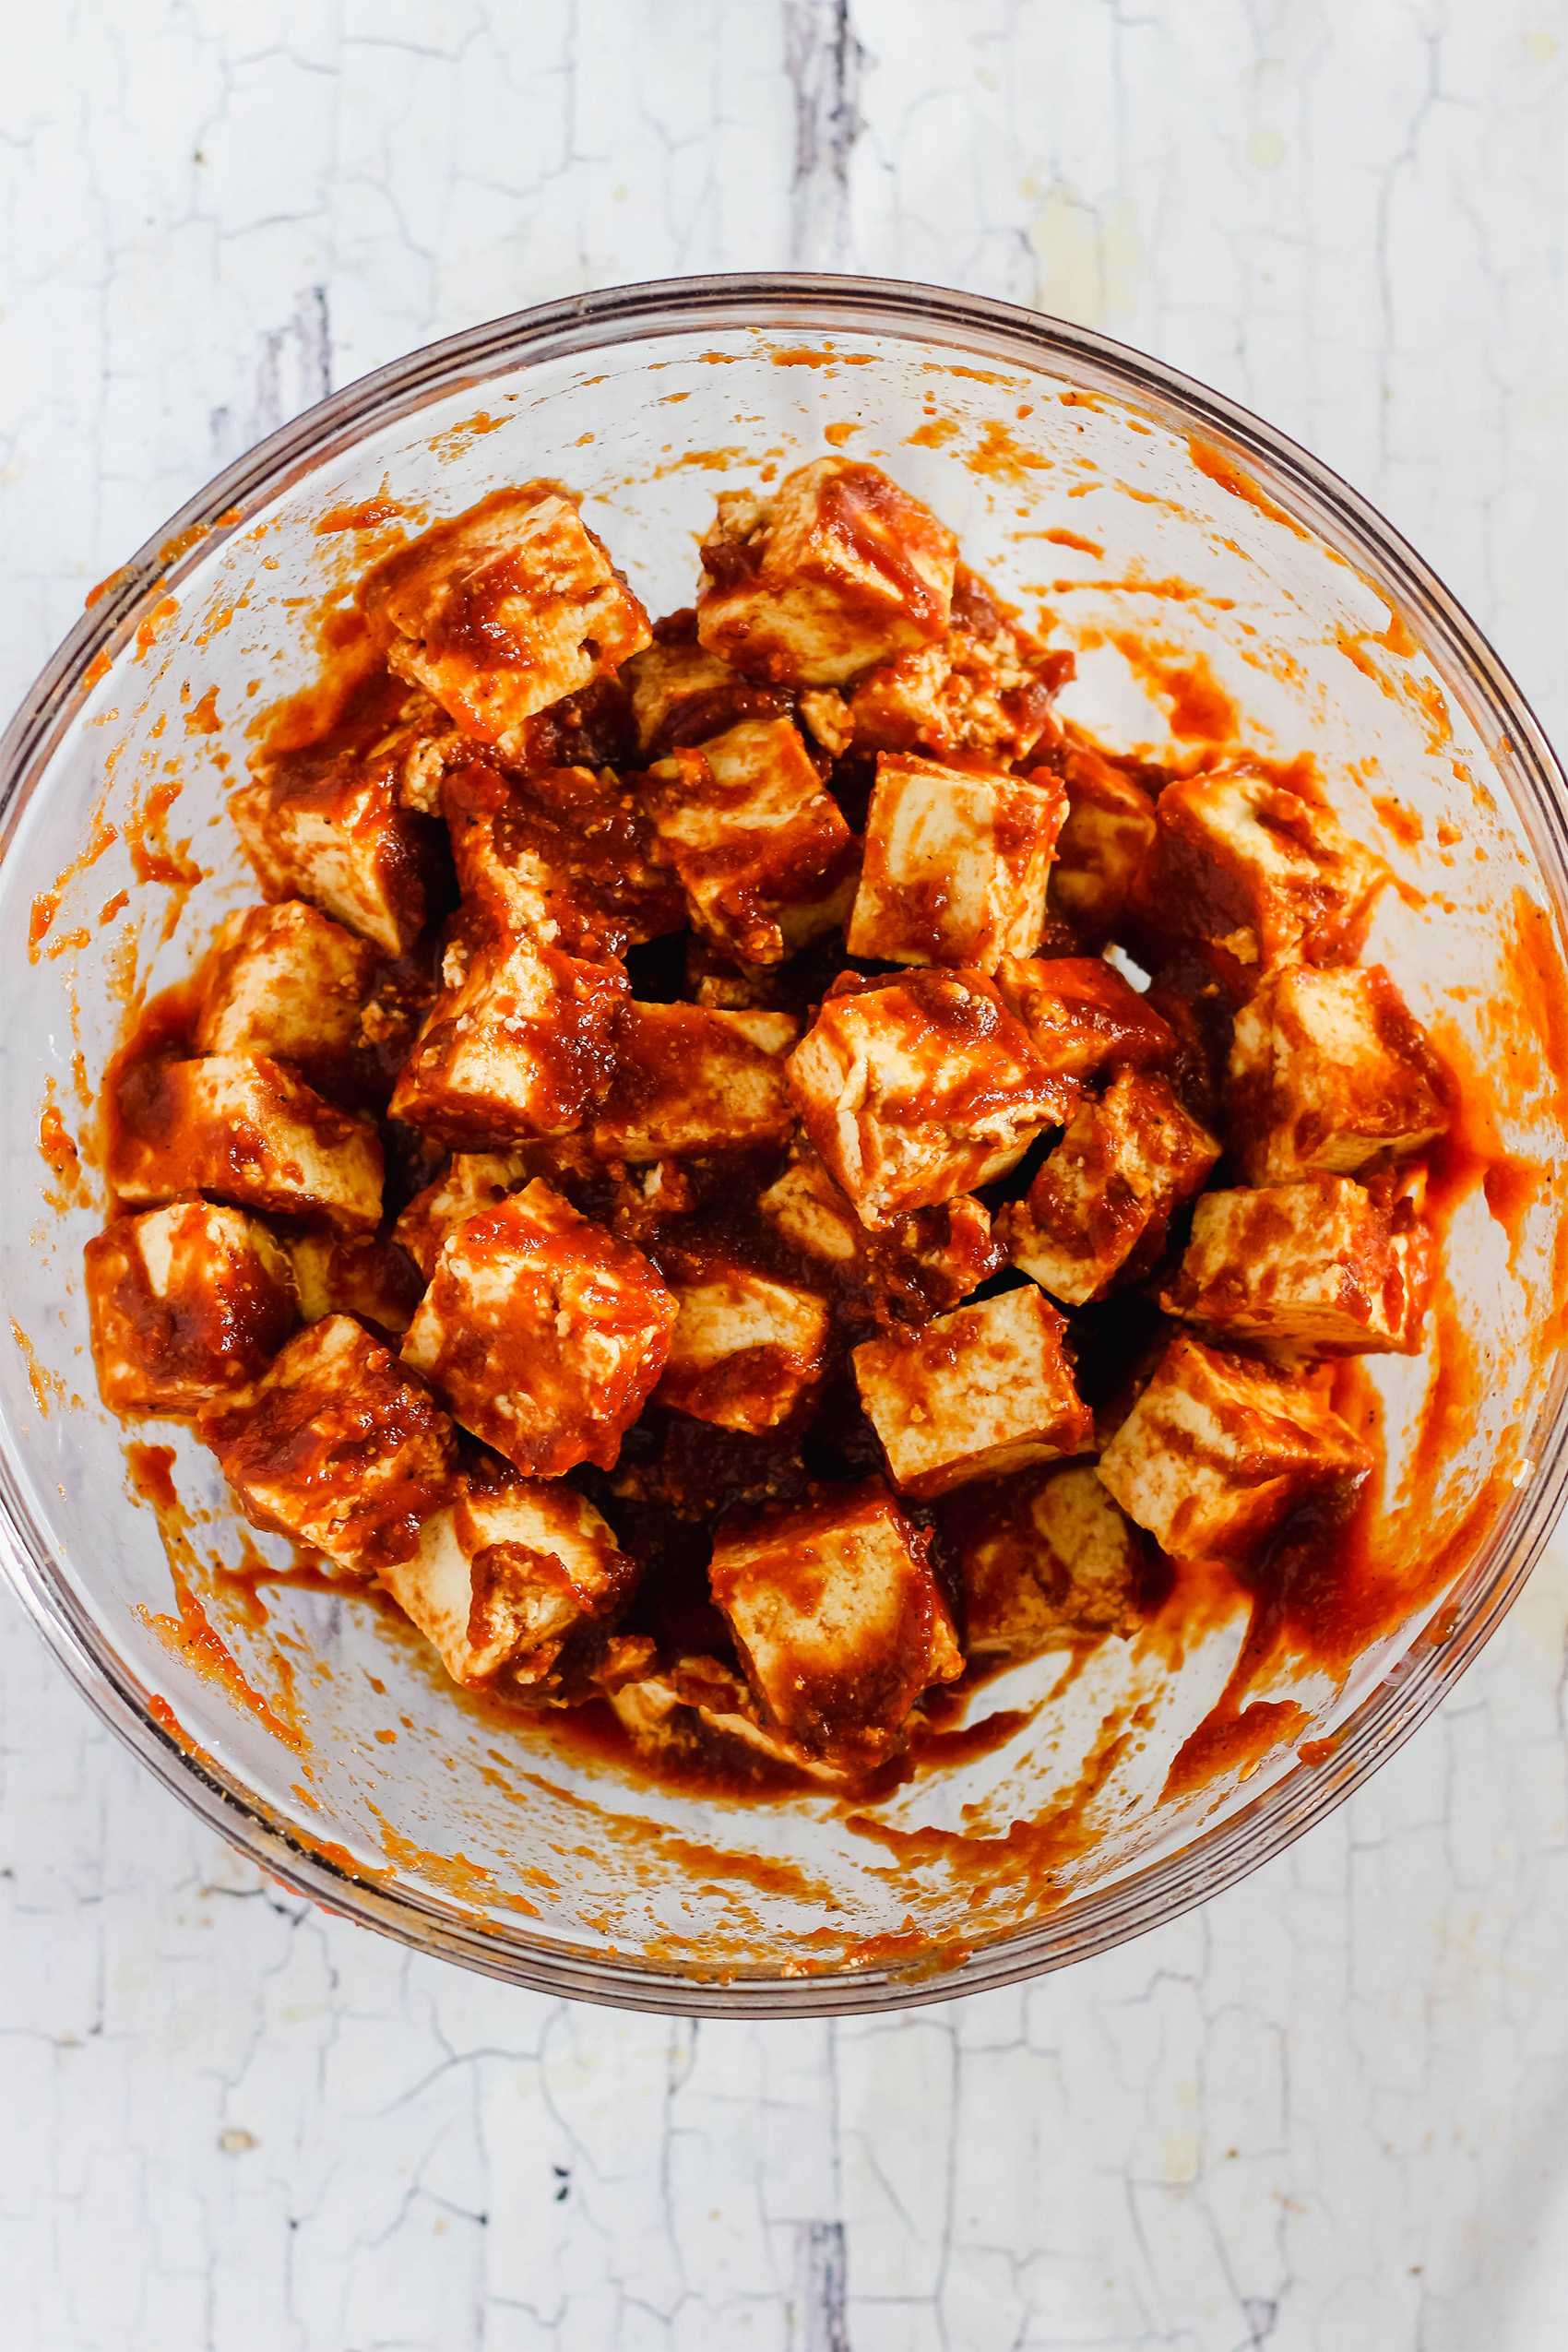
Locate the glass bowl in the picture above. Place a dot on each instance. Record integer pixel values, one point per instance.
(1212, 579)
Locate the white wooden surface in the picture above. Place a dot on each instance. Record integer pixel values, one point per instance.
(1327, 2113)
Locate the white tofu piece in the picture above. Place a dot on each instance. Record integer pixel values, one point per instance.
(504, 610)
(1101, 1203)
(840, 569)
(544, 1333)
(246, 1129)
(563, 857)
(925, 1261)
(974, 1395)
(1083, 1019)
(689, 1080)
(683, 694)
(1219, 1448)
(1329, 1071)
(955, 865)
(286, 982)
(812, 1214)
(188, 1303)
(335, 1444)
(1106, 833)
(744, 1349)
(684, 1711)
(475, 1180)
(839, 1622)
(1325, 1264)
(983, 689)
(1047, 1558)
(914, 1089)
(362, 1274)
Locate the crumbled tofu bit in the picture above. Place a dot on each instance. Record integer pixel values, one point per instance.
(186, 1302)
(1082, 1017)
(1047, 1558)
(561, 857)
(842, 569)
(689, 1080)
(544, 1333)
(335, 1445)
(244, 1128)
(519, 1043)
(826, 717)
(1324, 1264)
(1329, 1070)
(286, 982)
(1106, 834)
(475, 1180)
(685, 1709)
(1101, 1203)
(917, 1088)
(744, 1349)
(1266, 874)
(367, 1277)
(764, 858)
(837, 1618)
(955, 865)
(683, 694)
(506, 1575)
(1218, 1448)
(504, 610)
(976, 1393)
(982, 688)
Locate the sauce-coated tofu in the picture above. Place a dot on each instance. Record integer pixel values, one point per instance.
(288, 982)
(248, 1130)
(504, 610)
(518, 1044)
(955, 865)
(744, 1349)
(914, 1089)
(983, 689)
(335, 1445)
(839, 570)
(188, 1303)
(978, 1392)
(1324, 1264)
(506, 1575)
(837, 1618)
(1105, 837)
(1218, 1448)
(1047, 1558)
(913, 1267)
(561, 857)
(364, 1276)
(685, 1710)
(1329, 1070)
(683, 694)
(544, 1333)
(1103, 1202)
(690, 1080)
(1082, 1017)
(475, 1180)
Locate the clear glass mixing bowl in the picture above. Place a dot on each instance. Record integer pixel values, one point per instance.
(1137, 506)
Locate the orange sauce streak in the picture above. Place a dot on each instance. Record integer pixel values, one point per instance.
(151, 855)
(1000, 457)
(109, 580)
(1405, 823)
(368, 516)
(1067, 538)
(934, 434)
(48, 1388)
(839, 434)
(46, 906)
(146, 629)
(1198, 708)
(183, 542)
(1224, 1744)
(98, 667)
(1216, 467)
(204, 720)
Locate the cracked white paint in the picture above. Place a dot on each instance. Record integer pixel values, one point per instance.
(1326, 2113)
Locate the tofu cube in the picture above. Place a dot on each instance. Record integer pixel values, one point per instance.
(696, 1706)
(838, 1621)
(518, 1044)
(839, 570)
(1047, 1558)
(762, 853)
(1267, 874)
(744, 1349)
(914, 1089)
(335, 1445)
(544, 1333)
(1106, 833)
(976, 1393)
(814, 1216)
(1326, 1266)
(1082, 1017)
(363, 1275)
(245, 1128)
(475, 1180)
(689, 1080)
(1218, 1448)
(683, 694)
(1101, 1203)
(188, 1303)
(983, 689)
(561, 856)
(955, 865)
(504, 610)
(504, 1576)
(917, 1264)
(288, 982)
(1329, 1070)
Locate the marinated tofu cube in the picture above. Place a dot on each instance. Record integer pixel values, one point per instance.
(764, 858)
(983, 689)
(691, 1708)
(688, 1080)
(912, 1266)
(1083, 1018)
(335, 1445)
(505, 1577)
(1047, 1558)
(504, 610)
(1106, 833)
(365, 1276)
(1218, 1448)
(187, 1303)
(518, 1044)
(1101, 1203)
(683, 694)
(807, 1207)
(826, 717)
(1329, 1070)
(475, 1180)
(288, 982)
(838, 1621)
(1268, 874)
(914, 1089)
(244, 1128)
(956, 866)
(976, 1393)
(561, 856)
(839, 570)
(744, 1349)
(543, 1333)
(1325, 1265)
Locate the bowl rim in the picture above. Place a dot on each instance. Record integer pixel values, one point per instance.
(819, 305)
